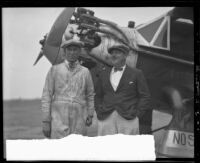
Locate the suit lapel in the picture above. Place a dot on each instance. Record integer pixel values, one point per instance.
(108, 71)
(124, 77)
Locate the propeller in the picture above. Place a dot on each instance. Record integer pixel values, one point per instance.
(51, 45)
(41, 53)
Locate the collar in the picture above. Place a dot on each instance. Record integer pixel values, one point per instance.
(75, 65)
(121, 67)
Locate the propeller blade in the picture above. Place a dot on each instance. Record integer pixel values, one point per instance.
(54, 38)
(55, 35)
(39, 57)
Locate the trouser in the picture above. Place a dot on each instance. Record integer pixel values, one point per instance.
(116, 124)
(67, 118)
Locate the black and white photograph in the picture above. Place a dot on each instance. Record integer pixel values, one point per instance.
(97, 72)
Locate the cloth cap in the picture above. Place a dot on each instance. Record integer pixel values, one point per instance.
(121, 47)
(72, 42)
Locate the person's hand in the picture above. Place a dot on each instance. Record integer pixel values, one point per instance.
(46, 128)
(89, 120)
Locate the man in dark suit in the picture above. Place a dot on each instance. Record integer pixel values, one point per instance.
(122, 95)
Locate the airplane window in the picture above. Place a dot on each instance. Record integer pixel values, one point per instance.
(161, 40)
(149, 30)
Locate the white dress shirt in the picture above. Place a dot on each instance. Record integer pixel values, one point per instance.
(115, 77)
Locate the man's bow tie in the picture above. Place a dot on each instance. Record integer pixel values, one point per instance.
(118, 69)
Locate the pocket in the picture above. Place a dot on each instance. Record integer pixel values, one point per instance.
(59, 85)
(131, 82)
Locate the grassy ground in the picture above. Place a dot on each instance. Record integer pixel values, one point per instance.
(23, 119)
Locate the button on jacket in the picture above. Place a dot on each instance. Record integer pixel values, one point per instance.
(68, 95)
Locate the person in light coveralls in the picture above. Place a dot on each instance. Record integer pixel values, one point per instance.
(67, 95)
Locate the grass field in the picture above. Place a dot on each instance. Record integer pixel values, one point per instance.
(23, 119)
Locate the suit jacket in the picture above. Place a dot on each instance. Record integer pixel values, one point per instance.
(131, 98)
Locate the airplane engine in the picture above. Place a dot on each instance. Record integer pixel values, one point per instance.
(98, 35)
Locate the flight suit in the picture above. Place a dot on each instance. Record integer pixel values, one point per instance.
(68, 97)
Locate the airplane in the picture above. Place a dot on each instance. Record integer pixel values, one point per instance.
(162, 48)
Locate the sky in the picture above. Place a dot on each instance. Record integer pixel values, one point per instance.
(22, 28)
